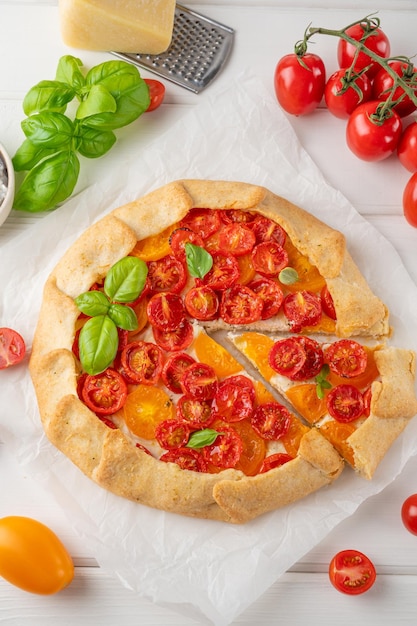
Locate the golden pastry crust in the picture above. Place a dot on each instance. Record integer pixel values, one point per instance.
(108, 456)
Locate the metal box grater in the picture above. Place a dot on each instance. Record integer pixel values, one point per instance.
(199, 48)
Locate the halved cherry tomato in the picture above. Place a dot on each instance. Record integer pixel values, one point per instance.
(271, 295)
(314, 358)
(269, 258)
(12, 348)
(287, 357)
(238, 216)
(210, 352)
(104, 393)
(142, 362)
(199, 381)
(180, 237)
(370, 137)
(171, 434)
(205, 222)
(410, 201)
(166, 274)
(383, 83)
(346, 358)
(343, 94)
(275, 460)
(201, 302)
(299, 83)
(186, 458)
(234, 401)
(327, 303)
(253, 451)
(145, 407)
(352, 572)
(165, 311)
(175, 340)
(224, 272)
(226, 450)
(267, 230)
(409, 513)
(271, 420)
(374, 39)
(345, 403)
(174, 368)
(301, 309)
(156, 93)
(32, 557)
(236, 239)
(196, 413)
(240, 305)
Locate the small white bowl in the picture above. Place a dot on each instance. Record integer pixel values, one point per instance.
(6, 201)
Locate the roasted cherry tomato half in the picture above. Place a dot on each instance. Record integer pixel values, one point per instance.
(173, 369)
(409, 513)
(275, 460)
(299, 83)
(240, 305)
(196, 413)
(342, 95)
(171, 434)
(142, 362)
(224, 272)
(271, 420)
(236, 239)
(174, 340)
(202, 302)
(104, 393)
(165, 311)
(369, 137)
(346, 358)
(233, 401)
(269, 258)
(166, 274)
(12, 348)
(345, 403)
(226, 450)
(186, 459)
(302, 308)
(156, 93)
(271, 295)
(32, 557)
(407, 148)
(373, 38)
(199, 381)
(352, 572)
(204, 222)
(180, 237)
(410, 201)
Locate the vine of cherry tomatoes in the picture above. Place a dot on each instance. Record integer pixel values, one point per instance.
(371, 91)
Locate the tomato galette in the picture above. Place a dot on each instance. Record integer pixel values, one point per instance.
(212, 350)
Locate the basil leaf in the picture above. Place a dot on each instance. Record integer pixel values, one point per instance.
(92, 142)
(98, 100)
(199, 261)
(202, 438)
(28, 155)
(288, 276)
(68, 71)
(321, 381)
(126, 279)
(98, 344)
(48, 183)
(50, 95)
(93, 303)
(123, 316)
(55, 130)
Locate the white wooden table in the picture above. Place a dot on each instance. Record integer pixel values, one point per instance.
(30, 46)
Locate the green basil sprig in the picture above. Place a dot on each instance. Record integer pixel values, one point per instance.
(108, 310)
(321, 381)
(110, 95)
(199, 261)
(201, 438)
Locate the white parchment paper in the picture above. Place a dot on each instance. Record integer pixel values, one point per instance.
(205, 570)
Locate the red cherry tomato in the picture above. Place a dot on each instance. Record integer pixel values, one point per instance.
(165, 311)
(173, 369)
(166, 274)
(240, 305)
(236, 239)
(409, 513)
(224, 272)
(171, 434)
(345, 403)
(271, 295)
(369, 137)
(269, 258)
(201, 302)
(204, 222)
(299, 83)
(142, 362)
(268, 230)
(233, 401)
(342, 96)
(274, 460)
(12, 348)
(407, 148)
(156, 93)
(351, 572)
(104, 393)
(196, 413)
(410, 201)
(383, 84)
(346, 358)
(376, 41)
(174, 340)
(199, 381)
(226, 450)
(301, 309)
(186, 458)
(271, 420)
(327, 303)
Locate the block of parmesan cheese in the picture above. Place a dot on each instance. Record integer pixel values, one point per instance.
(142, 26)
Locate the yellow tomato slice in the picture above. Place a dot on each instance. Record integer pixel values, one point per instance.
(254, 449)
(337, 434)
(262, 394)
(247, 271)
(257, 348)
(141, 314)
(154, 247)
(145, 408)
(212, 353)
(304, 399)
(293, 436)
(309, 277)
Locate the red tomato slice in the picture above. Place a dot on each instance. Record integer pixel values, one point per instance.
(271, 295)
(254, 449)
(180, 237)
(314, 358)
(226, 450)
(275, 460)
(268, 230)
(345, 403)
(240, 305)
(199, 381)
(175, 340)
(198, 413)
(166, 274)
(346, 358)
(173, 369)
(201, 303)
(409, 513)
(352, 572)
(271, 420)
(104, 393)
(233, 402)
(302, 308)
(171, 434)
(224, 272)
(327, 303)
(12, 348)
(186, 458)
(297, 358)
(142, 362)
(269, 258)
(239, 216)
(156, 93)
(165, 311)
(236, 239)
(205, 222)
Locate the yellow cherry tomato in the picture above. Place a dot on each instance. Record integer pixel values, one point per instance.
(32, 557)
